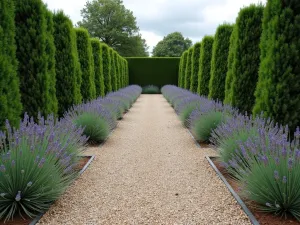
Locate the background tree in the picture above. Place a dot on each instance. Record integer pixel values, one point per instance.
(278, 88)
(219, 63)
(205, 65)
(10, 99)
(114, 25)
(172, 45)
(195, 67)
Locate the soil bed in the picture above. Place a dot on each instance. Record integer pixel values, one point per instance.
(26, 220)
(263, 218)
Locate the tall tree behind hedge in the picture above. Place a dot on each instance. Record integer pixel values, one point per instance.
(183, 71)
(205, 65)
(278, 87)
(106, 62)
(10, 99)
(247, 57)
(50, 51)
(195, 67)
(31, 42)
(188, 71)
(219, 63)
(98, 67)
(114, 81)
(68, 72)
(85, 53)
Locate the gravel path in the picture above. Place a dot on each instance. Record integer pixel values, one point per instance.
(148, 172)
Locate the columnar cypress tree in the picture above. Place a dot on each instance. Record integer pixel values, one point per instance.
(246, 62)
(50, 51)
(31, 39)
(188, 71)
(85, 53)
(126, 74)
(106, 62)
(10, 99)
(278, 87)
(195, 67)
(114, 81)
(122, 70)
(180, 71)
(219, 63)
(98, 67)
(68, 72)
(205, 65)
(183, 71)
(118, 59)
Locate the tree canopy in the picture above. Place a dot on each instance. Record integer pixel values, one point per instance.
(173, 45)
(114, 25)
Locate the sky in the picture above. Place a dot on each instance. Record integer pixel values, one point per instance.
(157, 18)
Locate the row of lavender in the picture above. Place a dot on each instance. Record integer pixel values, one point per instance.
(257, 152)
(39, 160)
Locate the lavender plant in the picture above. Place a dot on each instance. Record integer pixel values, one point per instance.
(37, 163)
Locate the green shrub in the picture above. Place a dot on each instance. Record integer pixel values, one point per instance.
(183, 70)
(278, 88)
(195, 67)
(219, 62)
(246, 62)
(95, 127)
(10, 98)
(31, 39)
(114, 82)
(106, 62)
(151, 70)
(205, 64)
(66, 63)
(85, 53)
(206, 124)
(185, 114)
(98, 67)
(188, 71)
(150, 89)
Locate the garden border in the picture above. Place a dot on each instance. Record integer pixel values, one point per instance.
(251, 217)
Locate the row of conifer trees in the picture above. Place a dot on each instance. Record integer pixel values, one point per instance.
(47, 65)
(253, 65)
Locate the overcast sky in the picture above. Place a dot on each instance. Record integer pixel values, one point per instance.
(157, 18)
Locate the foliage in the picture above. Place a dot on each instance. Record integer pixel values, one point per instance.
(246, 62)
(114, 81)
(195, 67)
(150, 89)
(185, 114)
(219, 62)
(205, 65)
(172, 45)
(278, 88)
(114, 25)
(84, 48)
(38, 163)
(106, 62)
(66, 62)
(31, 40)
(118, 71)
(183, 65)
(188, 71)
(10, 98)
(157, 71)
(98, 67)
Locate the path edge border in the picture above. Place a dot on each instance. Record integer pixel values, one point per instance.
(251, 217)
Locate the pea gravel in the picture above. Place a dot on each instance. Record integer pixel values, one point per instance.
(149, 171)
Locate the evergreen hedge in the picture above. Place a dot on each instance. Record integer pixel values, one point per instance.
(180, 71)
(106, 62)
(219, 62)
(247, 57)
(31, 40)
(68, 72)
(118, 59)
(84, 48)
(114, 81)
(205, 65)
(126, 83)
(195, 67)
(98, 67)
(122, 71)
(183, 70)
(10, 98)
(188, 71)
(278, 87)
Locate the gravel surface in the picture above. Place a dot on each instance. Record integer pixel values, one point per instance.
(149, 171)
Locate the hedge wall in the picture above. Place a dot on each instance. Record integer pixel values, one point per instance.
(188, 71)
(195, 67)
(153, 70)
(10, 98)
(98, 67)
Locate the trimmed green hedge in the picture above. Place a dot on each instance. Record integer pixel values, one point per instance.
(114, 81)
(182, 66)
(195, 67)
(188, 71)
(205, 65)
(278, 87)
(157, 71)
(219, 62)
(10, 97)
(98, 67)
(106, 62)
